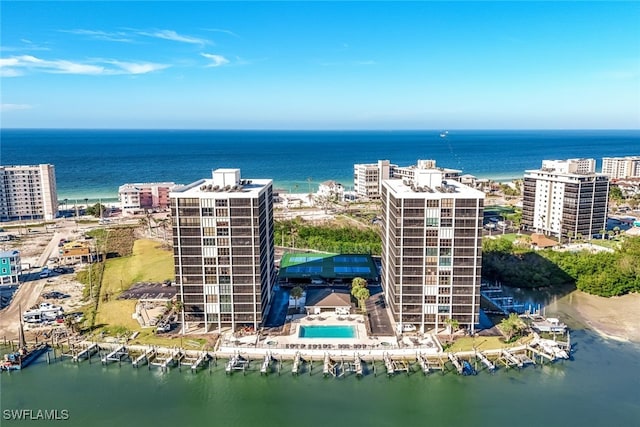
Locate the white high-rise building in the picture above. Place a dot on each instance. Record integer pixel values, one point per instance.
(579, 166)
(558, 199)
(621, 167)
(367, 178)
(223, 250)
(28, 192)
(431, 251)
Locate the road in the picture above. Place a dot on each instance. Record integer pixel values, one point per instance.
(29, 291)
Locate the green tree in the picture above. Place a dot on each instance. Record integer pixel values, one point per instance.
(512, 326)
(95, 210)
(361, 294)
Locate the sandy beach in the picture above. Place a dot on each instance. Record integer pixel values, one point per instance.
(615, 318)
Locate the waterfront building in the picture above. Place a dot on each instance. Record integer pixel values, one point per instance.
(431, 251)
(28, 192)
(621, 167)
(223, 250)
(10, 267)
(368, 177)
(562, 200)
(331, 190)
(409, 172)
(136, 198)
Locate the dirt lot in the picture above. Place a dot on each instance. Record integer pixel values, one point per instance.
(38, 247)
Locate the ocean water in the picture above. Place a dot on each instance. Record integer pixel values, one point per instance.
(94, 163)
(599, 387)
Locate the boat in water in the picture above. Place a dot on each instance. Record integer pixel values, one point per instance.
(24, 355)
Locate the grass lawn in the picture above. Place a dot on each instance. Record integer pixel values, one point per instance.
(612, 244)
(149, 263)
(484, 343)
(117, 313)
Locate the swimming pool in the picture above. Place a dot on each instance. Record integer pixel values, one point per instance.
(327, 331)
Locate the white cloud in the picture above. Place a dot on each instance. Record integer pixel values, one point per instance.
(172, 35)
(14, 107)
(216, 60)
(17, 65)
(117, 36)
(139, 68)
(219, 30)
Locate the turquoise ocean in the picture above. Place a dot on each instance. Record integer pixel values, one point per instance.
(94, 163)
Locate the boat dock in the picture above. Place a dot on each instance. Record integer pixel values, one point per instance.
(237, 363)
(116, 355)
(266, 364)
(395, 365)
(86, 353)
(297, 360)
(485, 361)
(456, 362)
(165, 361)
(147, 357)
(505, 304)
(329, 366)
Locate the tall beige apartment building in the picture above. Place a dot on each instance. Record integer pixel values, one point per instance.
(223, 250)
(28, 192)
(431, 251)
(621, 167)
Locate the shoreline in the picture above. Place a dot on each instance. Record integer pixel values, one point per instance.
(614, 318)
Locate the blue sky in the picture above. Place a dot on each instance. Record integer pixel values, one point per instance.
(325, 65)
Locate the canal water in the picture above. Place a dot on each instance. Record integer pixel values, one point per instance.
(599, 387)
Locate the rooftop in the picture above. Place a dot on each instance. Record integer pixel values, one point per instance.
(430, 185)
(225, 181)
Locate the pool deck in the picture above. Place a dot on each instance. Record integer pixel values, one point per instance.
(362, 344)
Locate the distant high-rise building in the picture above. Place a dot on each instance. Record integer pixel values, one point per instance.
(559, 199)
(408, 172)
(621, 167)
(431, 250)
(28, 192)
(223, 249)
(136, 198)
(367, 178)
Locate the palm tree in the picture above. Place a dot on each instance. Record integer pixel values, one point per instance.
(86, 204)
(296, 293)
(163, 223)
(453, 325)
(361, 294)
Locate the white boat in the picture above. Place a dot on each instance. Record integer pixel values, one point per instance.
(550, 324)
